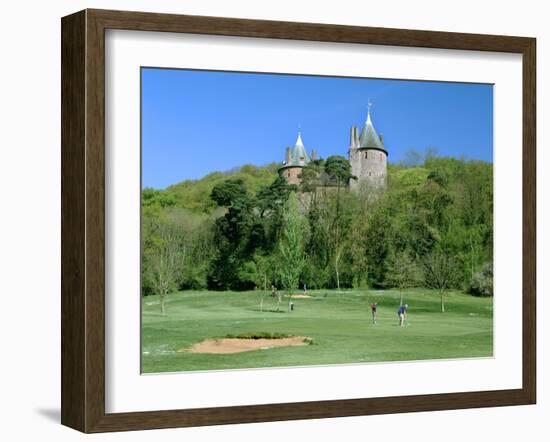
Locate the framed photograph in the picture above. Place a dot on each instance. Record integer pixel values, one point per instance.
(267, 221)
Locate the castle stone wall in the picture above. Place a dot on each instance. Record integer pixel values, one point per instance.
(291, 174)
(369, 166)
(355, 163)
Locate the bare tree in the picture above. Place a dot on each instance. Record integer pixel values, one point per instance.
(440, 272)
(163, 257)
(403, 272)
(264, 267)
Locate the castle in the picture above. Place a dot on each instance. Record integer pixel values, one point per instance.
(367, 156)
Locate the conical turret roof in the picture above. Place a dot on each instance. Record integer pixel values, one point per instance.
(369, 138)
(298, 154)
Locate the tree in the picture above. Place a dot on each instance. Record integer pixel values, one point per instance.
(229, 192)
(381, 236)
(338, 170)
(151, 197)
(440, 272)
(356, 251)
(412, 158)
(403, 272)
(162, 254)
(482, 282)
(270, 201)
(237, 234)
(225, 220)
(251, 224)
(291, 245)
(272, 198)
(264, 274)
(312, 176)
(318, 270)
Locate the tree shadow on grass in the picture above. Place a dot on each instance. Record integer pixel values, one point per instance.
(267, 310)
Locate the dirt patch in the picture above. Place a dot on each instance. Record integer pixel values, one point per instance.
(239, 345)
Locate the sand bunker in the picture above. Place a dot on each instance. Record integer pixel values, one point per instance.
(238, 345)
(299, 296)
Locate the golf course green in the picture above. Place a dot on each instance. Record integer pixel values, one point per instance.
(339, 327)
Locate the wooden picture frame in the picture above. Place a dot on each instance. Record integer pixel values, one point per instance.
(83, 220)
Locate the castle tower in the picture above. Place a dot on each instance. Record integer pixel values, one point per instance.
(367, 156)
(296, 159)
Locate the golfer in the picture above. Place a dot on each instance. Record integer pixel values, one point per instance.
(373, 308)
(402, 314)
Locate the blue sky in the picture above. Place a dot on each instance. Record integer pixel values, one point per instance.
(197, 122)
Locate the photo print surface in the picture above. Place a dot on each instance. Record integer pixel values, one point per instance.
(295, 220)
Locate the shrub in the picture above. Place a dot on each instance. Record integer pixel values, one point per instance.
(482, 281)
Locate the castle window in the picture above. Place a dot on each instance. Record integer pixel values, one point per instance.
(366, 154)
(288, 174)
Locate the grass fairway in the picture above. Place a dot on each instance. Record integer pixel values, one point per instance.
(339, 325)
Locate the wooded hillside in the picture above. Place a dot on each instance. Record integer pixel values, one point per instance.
(433, 226)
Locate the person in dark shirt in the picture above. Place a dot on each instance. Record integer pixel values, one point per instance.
(373, 308)
(402, 314)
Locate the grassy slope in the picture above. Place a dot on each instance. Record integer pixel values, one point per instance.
(340, 327)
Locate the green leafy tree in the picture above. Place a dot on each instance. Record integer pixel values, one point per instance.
(157, 198)
(234, 233)
(357, 242)
(313, 176)
(292, 245)
(270, 202)
(225, 220)
(231, 192)
(338, 170)
(381, 236)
